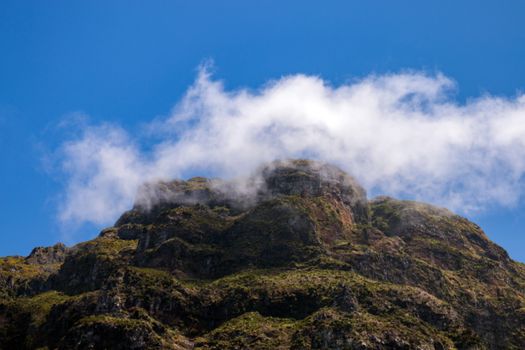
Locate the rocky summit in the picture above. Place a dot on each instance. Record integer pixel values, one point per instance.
(296, 258)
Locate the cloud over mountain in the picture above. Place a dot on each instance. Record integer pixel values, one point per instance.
(398, 134)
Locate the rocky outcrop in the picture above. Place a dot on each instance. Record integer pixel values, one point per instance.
(300, 260)
(47, 255)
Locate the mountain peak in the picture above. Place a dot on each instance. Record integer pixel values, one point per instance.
(298, 177)
(318, 179)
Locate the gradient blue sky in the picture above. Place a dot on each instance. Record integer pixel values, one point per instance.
(126, 62)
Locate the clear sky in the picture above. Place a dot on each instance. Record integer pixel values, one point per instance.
(128, 63)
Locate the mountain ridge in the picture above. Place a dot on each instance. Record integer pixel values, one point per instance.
(295, 258)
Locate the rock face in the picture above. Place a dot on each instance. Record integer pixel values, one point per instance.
(302, 260)
(47, 255)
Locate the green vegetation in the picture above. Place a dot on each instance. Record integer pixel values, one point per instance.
(250, 331)
(105, 247)
(40, 305)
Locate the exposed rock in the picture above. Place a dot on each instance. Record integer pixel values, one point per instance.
(47, 255)
(314, 179)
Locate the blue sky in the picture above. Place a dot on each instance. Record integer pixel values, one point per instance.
(125, 64)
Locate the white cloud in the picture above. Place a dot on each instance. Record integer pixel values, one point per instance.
(400, 134)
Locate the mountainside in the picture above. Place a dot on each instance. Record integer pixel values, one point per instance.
(296, 259)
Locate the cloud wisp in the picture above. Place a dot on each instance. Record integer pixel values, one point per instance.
(398, 134)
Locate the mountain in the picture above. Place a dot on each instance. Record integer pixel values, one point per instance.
(294, 258)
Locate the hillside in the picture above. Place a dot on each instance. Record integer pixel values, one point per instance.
(298, 259)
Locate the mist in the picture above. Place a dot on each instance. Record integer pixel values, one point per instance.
(403, 135)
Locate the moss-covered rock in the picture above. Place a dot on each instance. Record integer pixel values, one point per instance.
(91, 265)
(250, 331)
(109, 332)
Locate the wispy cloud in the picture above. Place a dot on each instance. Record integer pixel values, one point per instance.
(398, 134)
